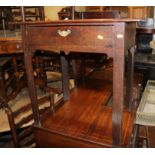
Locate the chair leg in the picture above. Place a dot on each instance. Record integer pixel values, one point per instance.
(142, 137)
(12, 127)
(134, 143)
(52, 103)
(147, 135)
(2, 84)
(74, 70)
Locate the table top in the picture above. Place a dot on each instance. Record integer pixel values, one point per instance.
(10, 39)
(78, 21)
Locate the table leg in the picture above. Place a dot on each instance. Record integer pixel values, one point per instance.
(118, 99)
(65, 76)
(118, 86)
(31, 87)
(130, 77)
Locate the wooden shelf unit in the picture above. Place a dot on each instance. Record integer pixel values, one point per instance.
(31, 13)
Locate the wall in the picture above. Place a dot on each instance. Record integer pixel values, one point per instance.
(51, 12)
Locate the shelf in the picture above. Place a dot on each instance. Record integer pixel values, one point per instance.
(18, 14)
(32, 16)
(15, 7)
(18, 7)
(33, 12)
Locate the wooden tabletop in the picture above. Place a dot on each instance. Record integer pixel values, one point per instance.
(79, 21)
(19, 38)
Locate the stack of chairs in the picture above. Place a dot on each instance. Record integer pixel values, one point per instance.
(21, 119)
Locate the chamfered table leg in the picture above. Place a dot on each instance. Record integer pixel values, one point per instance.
(31, 86)
(118, 86)
(130, 77)
(118, 100)
(65, 76)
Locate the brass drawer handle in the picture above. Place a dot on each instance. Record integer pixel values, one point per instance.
(64, 33)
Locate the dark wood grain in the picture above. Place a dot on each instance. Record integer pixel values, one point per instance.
(87, 41)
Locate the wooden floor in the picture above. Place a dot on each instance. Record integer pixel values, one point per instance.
(86, 119)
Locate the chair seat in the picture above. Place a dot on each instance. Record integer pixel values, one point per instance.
(19, 101)
(23, 98)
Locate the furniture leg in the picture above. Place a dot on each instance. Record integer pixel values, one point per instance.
(12, 127)
(82, 68)
(75, 74)
(2, 84)
(135, 137)
(118, 99)
(41, 78)
(130, 73)
(65, 76)
(118, 87)
(31, 87)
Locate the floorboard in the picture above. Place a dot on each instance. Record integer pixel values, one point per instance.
(85, 117)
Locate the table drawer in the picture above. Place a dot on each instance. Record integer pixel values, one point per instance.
(72, 37)
(10, 47)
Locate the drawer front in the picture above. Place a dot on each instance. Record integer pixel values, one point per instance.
(10, 47)
(72, 37)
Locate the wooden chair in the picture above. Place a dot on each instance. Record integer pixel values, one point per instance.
(21, 129)
(21, 120)
(44, 64)
(4, 61)
(18, 70)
